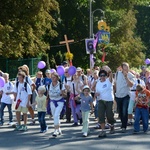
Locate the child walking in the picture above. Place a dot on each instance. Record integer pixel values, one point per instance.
(141, 110)
(40, 101)
(86, 102)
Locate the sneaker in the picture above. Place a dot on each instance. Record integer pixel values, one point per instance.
(135, 132)
(102, 134)
(41, 131)
(18, 127)
(55, 133)
(129, 124)
(123, 130)
(25, 128)
(75, 124)
(85, 134)
(45, 129)
(10, 123)
(97, 126)
(146, 131)
(1, 123)
(112, 131)
(96, 119)
(32, 122)
(81, 121)
(59, 131)
(68, 121)
(106, 126)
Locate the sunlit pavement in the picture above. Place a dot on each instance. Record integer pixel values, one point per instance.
(71, 139)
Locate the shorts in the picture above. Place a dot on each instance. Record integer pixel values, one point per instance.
(131, 106)
(105, 109)
(24, 110)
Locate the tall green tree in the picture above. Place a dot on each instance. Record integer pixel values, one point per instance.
(143, 24)
(24, 25)
(125, 44)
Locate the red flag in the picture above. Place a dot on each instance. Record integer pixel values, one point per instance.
(104, 55)
(70, 62)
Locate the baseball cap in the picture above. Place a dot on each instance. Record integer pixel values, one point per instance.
(142, 67)
(48, 71)
(64, 63)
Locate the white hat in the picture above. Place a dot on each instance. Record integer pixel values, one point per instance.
(42, 88)
(79, 69)
(86, 87)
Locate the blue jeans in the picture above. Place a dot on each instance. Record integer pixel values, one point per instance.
(122, 107)
(9, 106)
(144, 113)
(41, 118)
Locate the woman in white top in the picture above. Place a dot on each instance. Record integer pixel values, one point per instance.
(105, 97)
(56, 93)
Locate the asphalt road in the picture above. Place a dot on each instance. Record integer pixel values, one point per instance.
(71, 139)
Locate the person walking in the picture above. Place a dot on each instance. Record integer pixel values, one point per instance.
(7, 99)
(22, 93)
(56, 94)
(123, 82)
(105, 97)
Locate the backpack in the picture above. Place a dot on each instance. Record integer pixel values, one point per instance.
(60, 85)
(25, 85)
(82, 77)
(138, 81)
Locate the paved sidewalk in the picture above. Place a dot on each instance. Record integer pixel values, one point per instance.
(71, 139)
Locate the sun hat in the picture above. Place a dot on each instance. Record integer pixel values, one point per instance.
(86, 87)
(79, 69)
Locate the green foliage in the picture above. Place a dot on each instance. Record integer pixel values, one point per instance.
(23, 25)
(125, 44)
(143, 24)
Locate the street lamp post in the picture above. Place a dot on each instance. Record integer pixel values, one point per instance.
(92, 14)
(91, 25)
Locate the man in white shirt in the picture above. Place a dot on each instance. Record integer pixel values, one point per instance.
(22, 92)
(123, 83)
(7, 99)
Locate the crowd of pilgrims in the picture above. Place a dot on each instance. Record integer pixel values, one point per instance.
(98, 92)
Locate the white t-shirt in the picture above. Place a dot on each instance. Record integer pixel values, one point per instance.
(67, 80)
(75, 84)
(22, 94)
(122, 89)
(133, 88)
(8, 87)
(55, 92)
(105, 89)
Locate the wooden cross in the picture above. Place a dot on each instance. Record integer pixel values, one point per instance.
(66, 42)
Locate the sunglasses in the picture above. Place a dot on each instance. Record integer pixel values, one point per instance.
(66, 72)
(102, 75)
